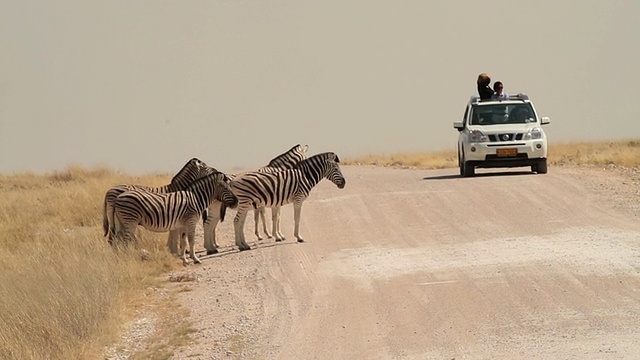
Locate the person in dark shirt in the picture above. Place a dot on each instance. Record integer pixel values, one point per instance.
(484, 90)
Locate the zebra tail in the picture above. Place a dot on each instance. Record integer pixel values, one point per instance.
(115, 221)
(105, 219)
(223, 211)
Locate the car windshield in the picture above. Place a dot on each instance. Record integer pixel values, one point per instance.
(502, 114)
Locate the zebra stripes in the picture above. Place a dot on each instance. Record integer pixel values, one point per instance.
(258, 189)
(168, 211)
(192, 170)
(286, 160)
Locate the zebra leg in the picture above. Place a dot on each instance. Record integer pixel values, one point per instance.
(127, 234)
(172, 241)
(238, 224)
(191, 235)
(210, 228)
(297, 209)
(183, 243)
(275, 219)
(264, 222)
(256, 220)
(182, 253)
(123, 232)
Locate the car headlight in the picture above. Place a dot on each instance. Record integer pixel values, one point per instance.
(477, 136)
(533, 134)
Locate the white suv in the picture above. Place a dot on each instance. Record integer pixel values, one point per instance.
(501, 133)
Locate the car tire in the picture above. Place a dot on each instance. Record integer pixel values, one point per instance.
(541, 167)
(469, 170)
(460, 163)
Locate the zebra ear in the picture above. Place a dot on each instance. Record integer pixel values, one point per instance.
(337, 158)
(305, 148)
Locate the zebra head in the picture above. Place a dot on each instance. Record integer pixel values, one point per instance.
(332, 171)
(222, 192)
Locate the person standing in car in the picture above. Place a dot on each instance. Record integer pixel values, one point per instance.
(484, 90)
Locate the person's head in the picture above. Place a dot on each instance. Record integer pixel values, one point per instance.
(484, 79)
(498, 87)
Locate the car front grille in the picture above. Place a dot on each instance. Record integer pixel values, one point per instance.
(505, 137)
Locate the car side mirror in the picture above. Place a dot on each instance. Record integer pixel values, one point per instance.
(459, 125)
(545, 120)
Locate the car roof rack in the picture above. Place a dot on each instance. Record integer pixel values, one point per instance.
(518, 96)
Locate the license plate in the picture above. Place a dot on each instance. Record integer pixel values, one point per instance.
(507, 152)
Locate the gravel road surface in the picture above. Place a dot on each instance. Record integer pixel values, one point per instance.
(424, 264)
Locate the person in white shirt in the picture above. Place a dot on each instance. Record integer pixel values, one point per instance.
(499, 93)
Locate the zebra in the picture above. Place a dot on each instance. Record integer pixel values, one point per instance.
(170, 211)
(286, 160)
(257, 189)
(193, 169)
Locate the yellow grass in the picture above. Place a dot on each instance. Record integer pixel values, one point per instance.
(623, 153)
(66, 293)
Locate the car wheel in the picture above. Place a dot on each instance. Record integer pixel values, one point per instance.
(469, 170)
(460, 163)
(542, 166)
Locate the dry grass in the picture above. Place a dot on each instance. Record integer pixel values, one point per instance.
(66, 293)
(622, 153)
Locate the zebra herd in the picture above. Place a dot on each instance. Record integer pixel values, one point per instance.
(200, 191)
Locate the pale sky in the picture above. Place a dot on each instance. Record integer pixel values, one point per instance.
(143, 86)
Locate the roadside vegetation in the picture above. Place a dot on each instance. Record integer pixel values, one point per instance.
(623, 153)
(66, 294)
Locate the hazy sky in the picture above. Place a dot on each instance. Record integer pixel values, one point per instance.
(143, 86)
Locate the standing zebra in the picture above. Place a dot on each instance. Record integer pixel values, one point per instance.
(286, 160)
(193, 169)
(169, 211)
(277, 189)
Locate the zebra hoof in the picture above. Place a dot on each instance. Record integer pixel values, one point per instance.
(197, 261)
(279, 240)
(301, 240)
(211, 252)
(243, 248)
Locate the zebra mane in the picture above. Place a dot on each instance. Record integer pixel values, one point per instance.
(210, 174)
(194, 163)
(326, 156)
(194, 166)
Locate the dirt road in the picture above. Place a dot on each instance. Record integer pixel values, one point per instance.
(415, 264)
